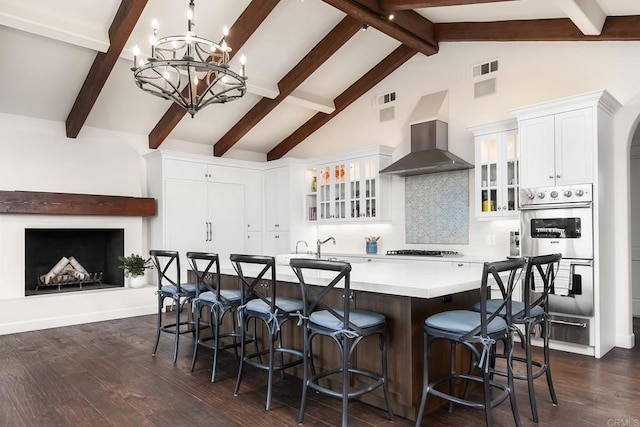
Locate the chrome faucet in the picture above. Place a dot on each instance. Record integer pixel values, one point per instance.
(320, 243)
(301, 241)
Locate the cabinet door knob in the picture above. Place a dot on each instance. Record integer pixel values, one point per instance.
(558, 176)
(550, 176)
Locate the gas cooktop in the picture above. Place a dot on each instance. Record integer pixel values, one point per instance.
(418, 252)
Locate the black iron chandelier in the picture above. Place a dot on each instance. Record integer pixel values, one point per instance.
(191, 71)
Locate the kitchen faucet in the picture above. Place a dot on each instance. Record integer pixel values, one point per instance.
(320, 243)
(301, 241)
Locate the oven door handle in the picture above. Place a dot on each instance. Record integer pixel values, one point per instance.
(582, 262)
(565, 323)
(555, 206)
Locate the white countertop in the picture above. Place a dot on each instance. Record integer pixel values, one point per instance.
(405, 258)
(412, 279)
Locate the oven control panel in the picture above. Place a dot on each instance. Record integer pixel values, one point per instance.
(579, 193)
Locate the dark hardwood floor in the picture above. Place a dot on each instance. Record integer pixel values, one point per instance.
(103, 374)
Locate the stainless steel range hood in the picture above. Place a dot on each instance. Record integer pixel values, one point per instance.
(429, 152)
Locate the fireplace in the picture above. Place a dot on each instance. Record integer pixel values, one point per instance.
(96, 249)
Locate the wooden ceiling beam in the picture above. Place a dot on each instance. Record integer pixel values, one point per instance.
(407, 19)
(246, 24)
(616, 28)
(417, 4)
(322, 51)
(123, 23)
(373, 18)
(374, 76)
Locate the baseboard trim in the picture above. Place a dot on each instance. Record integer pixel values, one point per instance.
(60, 321)
(626, 341)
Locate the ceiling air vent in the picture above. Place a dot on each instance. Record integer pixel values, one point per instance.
(385, 98)
(483, 69)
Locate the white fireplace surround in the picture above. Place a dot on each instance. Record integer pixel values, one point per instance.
(19, 313)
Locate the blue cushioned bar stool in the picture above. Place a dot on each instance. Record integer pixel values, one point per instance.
(218, 302)
(478, 331)
(167, 265)
(347, 327)
(257, 275)
(528, 315)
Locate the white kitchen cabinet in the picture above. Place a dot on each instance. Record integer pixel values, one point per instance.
(254, 190)
(276, 199)
(496, 170)
(283, 205)
(200, 171)
(254, 242)
(201, 204)
(349, 189)
(550, 146)
(559, 139)
(204, 217)
(277, 242)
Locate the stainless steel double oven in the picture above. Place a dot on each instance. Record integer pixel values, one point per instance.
(560, 220)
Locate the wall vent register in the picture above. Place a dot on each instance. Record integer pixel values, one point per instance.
(385, 98)
(481, 70)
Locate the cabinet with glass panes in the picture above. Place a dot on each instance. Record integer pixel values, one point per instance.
(348, 190)
(496, 170)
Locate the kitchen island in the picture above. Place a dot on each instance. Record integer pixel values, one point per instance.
(406, 293)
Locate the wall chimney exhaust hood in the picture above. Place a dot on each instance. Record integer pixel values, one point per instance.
(429, 152)
(429, 141)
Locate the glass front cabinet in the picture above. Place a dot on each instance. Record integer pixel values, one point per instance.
(347, 190)
(496, 170)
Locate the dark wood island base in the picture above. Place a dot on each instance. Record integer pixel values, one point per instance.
(405, 318)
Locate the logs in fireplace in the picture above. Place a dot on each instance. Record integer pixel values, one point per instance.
(68, 272)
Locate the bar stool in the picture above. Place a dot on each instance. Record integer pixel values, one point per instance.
(347, 327)
(478, 331)
(218, 301)
(527, 315)
(257, 275)
(167, 265)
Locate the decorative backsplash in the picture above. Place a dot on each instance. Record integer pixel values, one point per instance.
(437, 208)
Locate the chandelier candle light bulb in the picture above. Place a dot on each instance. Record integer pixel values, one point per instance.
(189, 70)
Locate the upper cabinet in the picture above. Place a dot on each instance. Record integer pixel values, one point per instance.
(496, 170)
(559, 139)
(283, 190)
(349, 189)
(550, 146)
(276, 201)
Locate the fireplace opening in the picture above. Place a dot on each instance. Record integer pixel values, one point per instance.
(72, 259)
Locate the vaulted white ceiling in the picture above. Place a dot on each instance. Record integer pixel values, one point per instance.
(65, 35)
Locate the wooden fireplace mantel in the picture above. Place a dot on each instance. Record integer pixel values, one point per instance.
(34, 202)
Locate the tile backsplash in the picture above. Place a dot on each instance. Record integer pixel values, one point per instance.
(437, 208)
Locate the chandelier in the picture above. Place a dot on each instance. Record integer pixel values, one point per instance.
(191, 71)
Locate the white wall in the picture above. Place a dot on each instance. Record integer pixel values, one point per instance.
(529, 73)
(37, 156)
